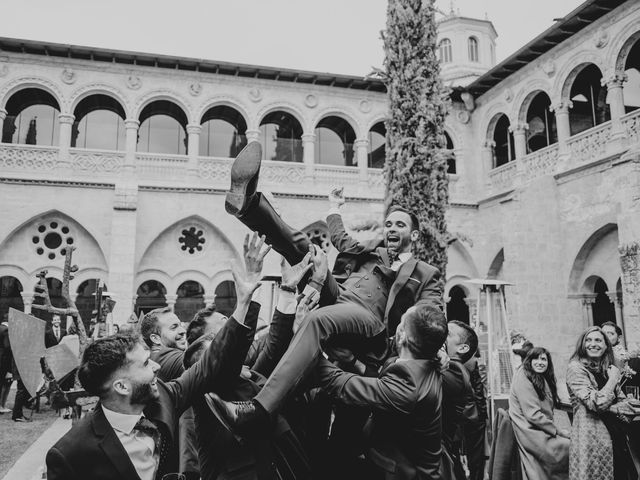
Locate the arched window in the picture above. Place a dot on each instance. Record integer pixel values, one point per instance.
(631, 88)
(504, 149)
(542, 123)
(588, 97)
(190, 300)
(281, 137)
(10, 297)
(451, 155)
(445, 51)
(225, 298)
(334, 142)
(150, 295)
(99, 123)
(223, 132)
(473, 49)
(603, 309)
(457, 308)
(32, 118)
(377, 138)
(162, 129)
(86, 300)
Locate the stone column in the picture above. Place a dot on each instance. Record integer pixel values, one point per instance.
(3, 115)
(587, 308)
(209, 298)
(193, 147)
(616, 102)
(252, 135)
(66, 123)
(487, 159)
(308, 153)
(561, 110)
(520, 139)
(171, 301)
(472, 303)
(617, 305)
(27, 300)
(131, 145)
(362, 157)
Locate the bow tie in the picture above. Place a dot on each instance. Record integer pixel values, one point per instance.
(393, 255)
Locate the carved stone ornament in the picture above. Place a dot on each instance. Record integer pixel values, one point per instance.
(255, 95)
(68, 76)
(134, 82)
(4, 71)
(365, 106)
(508, 95)
(195, 89)
(463, 116)
(311, 101)
(601, 39)
(549, 68)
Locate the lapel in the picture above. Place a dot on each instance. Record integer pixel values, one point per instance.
(384, 256)
(401, 279)
(111, 445)
(164, 417)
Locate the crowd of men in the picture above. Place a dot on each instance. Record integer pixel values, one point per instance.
(358, 376)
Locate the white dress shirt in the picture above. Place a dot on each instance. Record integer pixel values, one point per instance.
(402, 258)
(139, 446)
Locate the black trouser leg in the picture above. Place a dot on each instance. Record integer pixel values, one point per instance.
(21, 398)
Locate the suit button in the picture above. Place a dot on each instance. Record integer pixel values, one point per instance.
(366, 278)
(378, 287)
(358, 286)
(369, 295)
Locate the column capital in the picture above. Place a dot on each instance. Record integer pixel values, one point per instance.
(470, 301)
(561, 107)
(27, 297)
(66, 118)
(171, 300)
(209, 298)
(194, 128)
(131, 124)
(588, 299)
(615, 298)
(489, 144)
(361, 143)
(252, 135)
(308, 137)
(615, 80)
(519, 128)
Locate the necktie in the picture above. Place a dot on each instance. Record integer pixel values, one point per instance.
(147, 427)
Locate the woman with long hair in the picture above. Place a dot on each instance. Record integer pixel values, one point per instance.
(544, 448)
(599, 449)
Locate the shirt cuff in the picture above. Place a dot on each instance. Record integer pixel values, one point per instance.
(333, 211)
(309, 290)
(286, 302)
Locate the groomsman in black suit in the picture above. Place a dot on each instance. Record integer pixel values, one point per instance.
(53, 335)
(132, 433)
(383, 280)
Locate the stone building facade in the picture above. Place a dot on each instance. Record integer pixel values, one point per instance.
(127, 156)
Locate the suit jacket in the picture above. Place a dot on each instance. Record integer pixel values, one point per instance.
(416, 281)
(404, 431)
(91, 448)
(6, 359)
(50, 339)
(170, 361)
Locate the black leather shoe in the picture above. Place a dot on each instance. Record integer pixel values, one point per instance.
(244, 179)
(234, 416)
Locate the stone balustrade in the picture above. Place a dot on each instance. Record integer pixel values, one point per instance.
(541, 162)
(590, 144)
(631, 125)
(96, 162)
(503, 177)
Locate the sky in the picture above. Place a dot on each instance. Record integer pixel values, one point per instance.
(336, 36)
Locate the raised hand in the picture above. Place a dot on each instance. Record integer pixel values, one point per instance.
(320, 265)
(292, 275)
(305, 305)
(253, 256)
(336, 197)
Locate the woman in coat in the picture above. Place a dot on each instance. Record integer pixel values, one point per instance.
(600, 412)
(544, 448)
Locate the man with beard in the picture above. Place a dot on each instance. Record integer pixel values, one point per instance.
(383, 281)
(131, 433)
(404, 432)
(165, 336)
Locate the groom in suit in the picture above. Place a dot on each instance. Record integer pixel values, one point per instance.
(383, 280)
(132, 433)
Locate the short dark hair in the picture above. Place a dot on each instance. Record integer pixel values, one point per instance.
(149, 324)
(198, 324)
(194, 349)
(469, 337)
(611, 324)
(103, 358)
(415, 223)
(426, 328)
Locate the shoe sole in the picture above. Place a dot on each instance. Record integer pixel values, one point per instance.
(216, 410)
(244, 178)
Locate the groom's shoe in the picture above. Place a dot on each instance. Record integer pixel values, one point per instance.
(236, 417)
(244, 179)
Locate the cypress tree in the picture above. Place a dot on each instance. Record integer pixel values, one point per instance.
(415, 167)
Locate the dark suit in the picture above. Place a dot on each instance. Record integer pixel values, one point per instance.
(405, 430)
(50, 339)
(91, 448)
(367, 306)
(6, 359)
